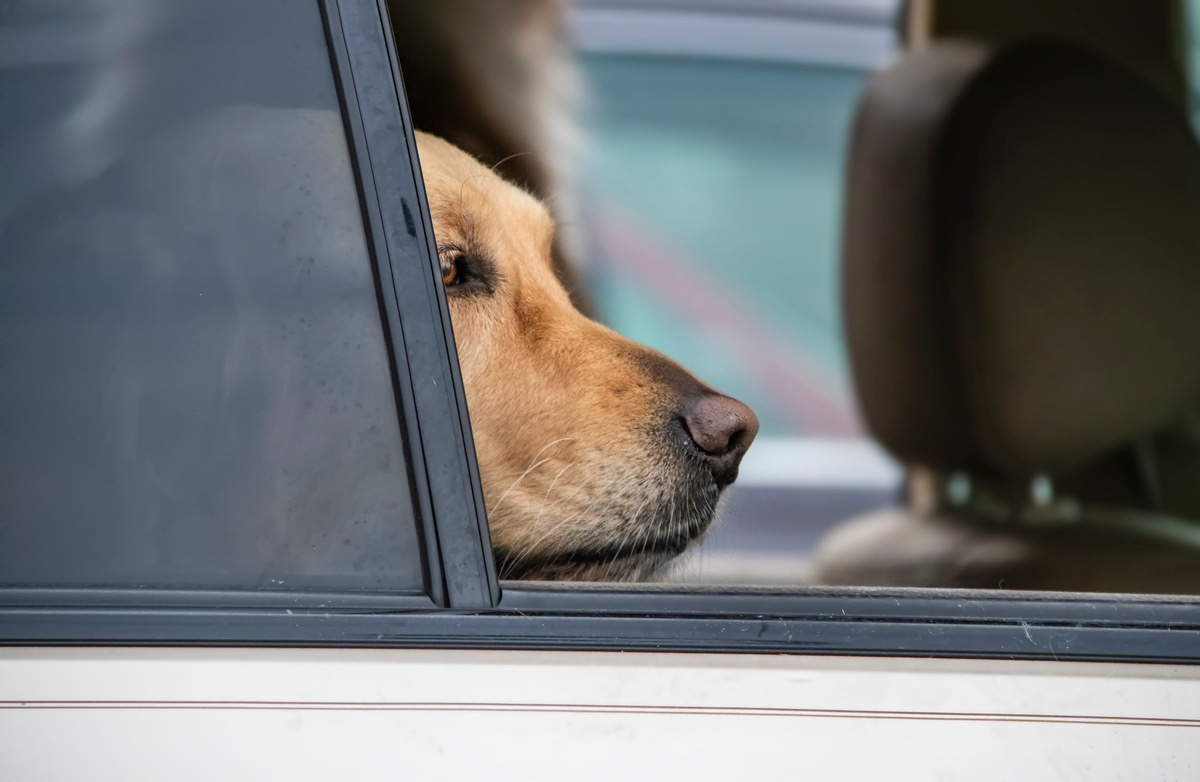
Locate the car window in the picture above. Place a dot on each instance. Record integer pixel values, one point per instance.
(195, 387)
(715, 177)
(142, 436)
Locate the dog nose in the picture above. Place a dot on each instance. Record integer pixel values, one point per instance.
(721, 429)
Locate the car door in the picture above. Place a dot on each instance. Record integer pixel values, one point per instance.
(241, 530)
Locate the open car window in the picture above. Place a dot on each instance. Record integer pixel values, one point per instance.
(721, 237)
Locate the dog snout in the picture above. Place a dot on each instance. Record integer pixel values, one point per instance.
(721, 429)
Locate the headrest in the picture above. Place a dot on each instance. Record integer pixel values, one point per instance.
(1022, 258)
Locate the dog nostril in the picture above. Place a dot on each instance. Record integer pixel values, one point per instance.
(721, 429)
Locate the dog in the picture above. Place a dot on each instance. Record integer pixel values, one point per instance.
(600, 458)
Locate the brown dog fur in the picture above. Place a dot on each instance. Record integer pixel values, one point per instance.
(587, 472)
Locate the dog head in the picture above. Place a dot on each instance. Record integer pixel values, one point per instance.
(600, 458)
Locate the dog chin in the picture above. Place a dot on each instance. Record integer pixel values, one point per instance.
(634, 556)
(632, 567)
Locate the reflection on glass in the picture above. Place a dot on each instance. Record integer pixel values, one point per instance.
(194, 384)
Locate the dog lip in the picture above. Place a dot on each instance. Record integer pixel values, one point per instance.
(672, 546)
(666, 547)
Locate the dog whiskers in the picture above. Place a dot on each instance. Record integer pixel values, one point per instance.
(504, 160)
(546, 497)
(533, 466)
(530, 549)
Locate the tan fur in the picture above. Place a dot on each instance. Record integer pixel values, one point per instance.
(573, 424)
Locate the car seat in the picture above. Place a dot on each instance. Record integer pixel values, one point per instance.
(1022, 310)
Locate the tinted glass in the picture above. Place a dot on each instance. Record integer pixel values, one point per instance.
(194, 382)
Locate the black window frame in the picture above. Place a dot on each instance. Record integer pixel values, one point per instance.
(466, 606)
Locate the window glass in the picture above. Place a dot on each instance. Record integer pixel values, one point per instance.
(194, 382)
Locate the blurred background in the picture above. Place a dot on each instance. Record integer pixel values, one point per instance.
(711, 185)
(712, 181)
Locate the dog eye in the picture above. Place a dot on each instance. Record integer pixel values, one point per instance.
(451, 262)
(465, 272)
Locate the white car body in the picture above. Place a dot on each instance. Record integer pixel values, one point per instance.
(262, 714)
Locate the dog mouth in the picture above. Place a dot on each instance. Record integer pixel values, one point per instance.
(646, 520)
(637, 557)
